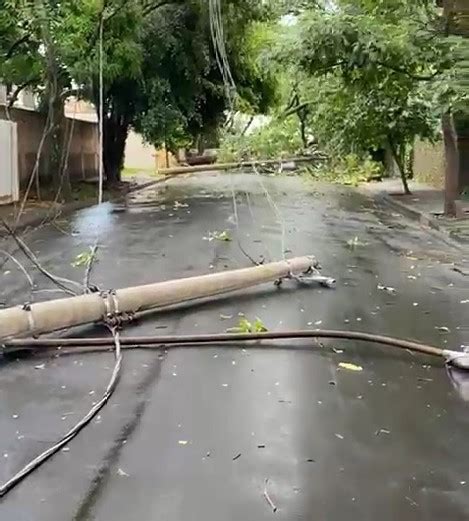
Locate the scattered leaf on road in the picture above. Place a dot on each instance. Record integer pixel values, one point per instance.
(350, 367)
(245, 326)
(442, 329)
(388, 289)
(355, 243)
(382, 431)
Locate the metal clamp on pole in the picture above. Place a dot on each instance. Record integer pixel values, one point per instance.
(312, 274)
(114, 318)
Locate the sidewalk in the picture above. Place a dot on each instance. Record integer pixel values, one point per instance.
(35, 213)
(425, 205)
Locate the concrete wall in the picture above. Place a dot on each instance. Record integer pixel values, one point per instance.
(83, 153)
(429, 164)
(141, 156)
(138, 155)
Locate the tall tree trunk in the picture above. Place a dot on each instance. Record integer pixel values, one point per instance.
(302, 118)
(410, 158)
(397, 156)
(248, 124)
(58, 148)
(116, 130)
(451, 163)
(57, 158)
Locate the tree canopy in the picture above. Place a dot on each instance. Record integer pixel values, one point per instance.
(374, 74)
(159, 64)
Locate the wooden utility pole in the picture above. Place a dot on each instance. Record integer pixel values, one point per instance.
(45, 317)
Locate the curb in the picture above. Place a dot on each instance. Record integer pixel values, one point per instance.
(422, 218)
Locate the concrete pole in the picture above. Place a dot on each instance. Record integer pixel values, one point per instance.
(45, 317)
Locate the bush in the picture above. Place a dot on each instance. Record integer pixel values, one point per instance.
(349, 170)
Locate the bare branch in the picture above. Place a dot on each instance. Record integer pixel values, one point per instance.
(14, 96)
(15, 46)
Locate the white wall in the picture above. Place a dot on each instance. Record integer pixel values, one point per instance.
(9, 184)
(138, 154)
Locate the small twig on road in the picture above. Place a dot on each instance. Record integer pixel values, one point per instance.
(459, 270)
(267, 497)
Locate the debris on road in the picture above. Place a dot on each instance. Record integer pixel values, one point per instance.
(442, 329)
(382, 431)
(219, 236)
(245, 326)
(122, 473)
(237, 456)
(267, 497)
(388, 289)
(350, 367)
(355, 243)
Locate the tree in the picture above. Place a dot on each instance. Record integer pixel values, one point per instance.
(177, 93)
(378, 71)
(158, 66)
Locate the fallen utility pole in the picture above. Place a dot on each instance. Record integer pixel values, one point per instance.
(240, 164)
(52, 315)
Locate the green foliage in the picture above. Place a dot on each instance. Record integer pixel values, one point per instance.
(279, 138)
(350, 170)
(223, 236)
(370, 74)
(245, 326)
(84, 258)
(160, 72)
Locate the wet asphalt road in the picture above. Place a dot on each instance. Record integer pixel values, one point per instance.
(192, 434)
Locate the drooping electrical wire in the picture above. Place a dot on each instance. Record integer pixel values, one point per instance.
(219, 47)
